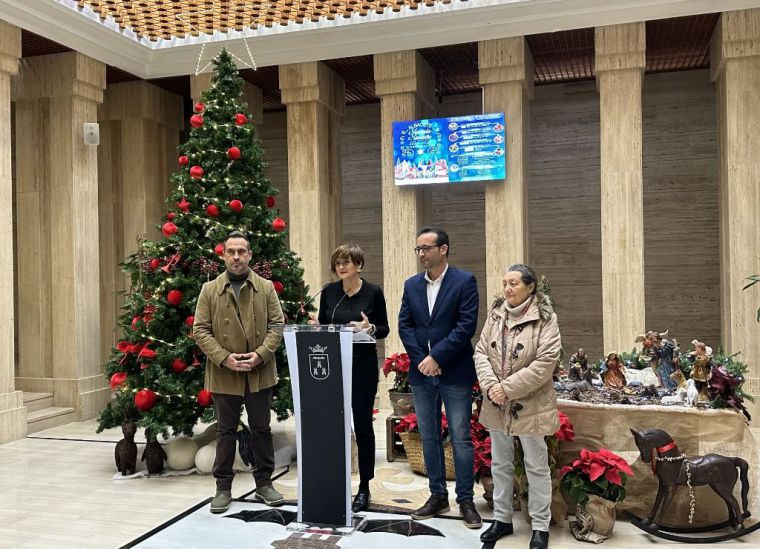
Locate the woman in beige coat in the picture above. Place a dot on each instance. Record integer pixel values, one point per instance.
(515, 357)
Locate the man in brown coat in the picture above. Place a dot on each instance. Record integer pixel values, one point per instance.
(231, 328)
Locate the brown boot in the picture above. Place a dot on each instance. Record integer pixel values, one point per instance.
(470, 516)
(435, 505)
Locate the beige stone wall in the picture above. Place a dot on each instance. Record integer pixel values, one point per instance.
(506, 74)
(735, 68)
(67, 89)
(404, 81)
(314, 95)
(139, 125)
(12, 410)
(620, 61)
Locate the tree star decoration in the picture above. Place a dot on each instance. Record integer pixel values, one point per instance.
(198, 68)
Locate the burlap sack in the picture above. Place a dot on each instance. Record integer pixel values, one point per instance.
(595, 522)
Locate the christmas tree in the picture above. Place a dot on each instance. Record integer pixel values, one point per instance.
(156, 371)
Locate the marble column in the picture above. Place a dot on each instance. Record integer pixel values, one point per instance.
(735, 68)
(12, 409)
(506, 74)
(620, 62)
(315, 98)
(63, 356)
(140, 126)
(404, 82)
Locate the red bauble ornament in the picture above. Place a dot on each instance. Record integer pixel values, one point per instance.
(199, 107)
(196, 172)
(183, 205)
(219, 249)
(117, 380)
(170, 216)
(183, 160)
(174, 297)
(205, 398)
(145, 399)
(135, 320)
(236, 206)
(190, 320)
(241, 119)
(168, 229)
(233, 153)
(179, 365)
(270, 202)
(196, 121)
(278, 286)
(154, 263)
(212, 210)
(278, 224)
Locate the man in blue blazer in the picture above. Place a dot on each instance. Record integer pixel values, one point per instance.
(438, 318)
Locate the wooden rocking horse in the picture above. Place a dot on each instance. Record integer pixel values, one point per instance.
(672, 469)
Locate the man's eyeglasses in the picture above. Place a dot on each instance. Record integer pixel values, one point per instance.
(425, 249)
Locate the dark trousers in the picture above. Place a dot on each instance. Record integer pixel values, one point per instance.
(258, 406)
(363, 391)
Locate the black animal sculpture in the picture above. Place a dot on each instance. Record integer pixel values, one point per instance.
(672, 469)
(126, 449)
(154, 457)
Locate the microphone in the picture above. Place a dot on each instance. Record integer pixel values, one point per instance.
(310, 299)
(332, 318)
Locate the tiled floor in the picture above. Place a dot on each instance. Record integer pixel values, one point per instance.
(58, 492)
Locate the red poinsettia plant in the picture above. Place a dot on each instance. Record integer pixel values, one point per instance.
(481, 442)
(601, 473)
(565, 433)
(398, 363)
(408, 423)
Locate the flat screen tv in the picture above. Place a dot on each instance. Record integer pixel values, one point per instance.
(450, 150)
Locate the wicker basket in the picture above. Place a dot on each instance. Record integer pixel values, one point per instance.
(413, 446)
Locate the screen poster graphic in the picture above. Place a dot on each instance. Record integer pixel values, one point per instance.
(450, 150)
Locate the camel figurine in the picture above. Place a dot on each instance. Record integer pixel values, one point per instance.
(126, 450)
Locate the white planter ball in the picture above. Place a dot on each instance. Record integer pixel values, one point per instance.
(204, 458)
(180, 453)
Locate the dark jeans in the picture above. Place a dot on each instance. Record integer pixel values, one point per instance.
(228, 418)
(363, 391)
(457, 400)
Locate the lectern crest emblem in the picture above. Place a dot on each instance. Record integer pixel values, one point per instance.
(319, 362)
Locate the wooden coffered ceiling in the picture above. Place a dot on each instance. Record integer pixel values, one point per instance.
(167, 19)
(680, 43)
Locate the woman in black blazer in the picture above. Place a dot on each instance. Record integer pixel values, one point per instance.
(353, 300)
